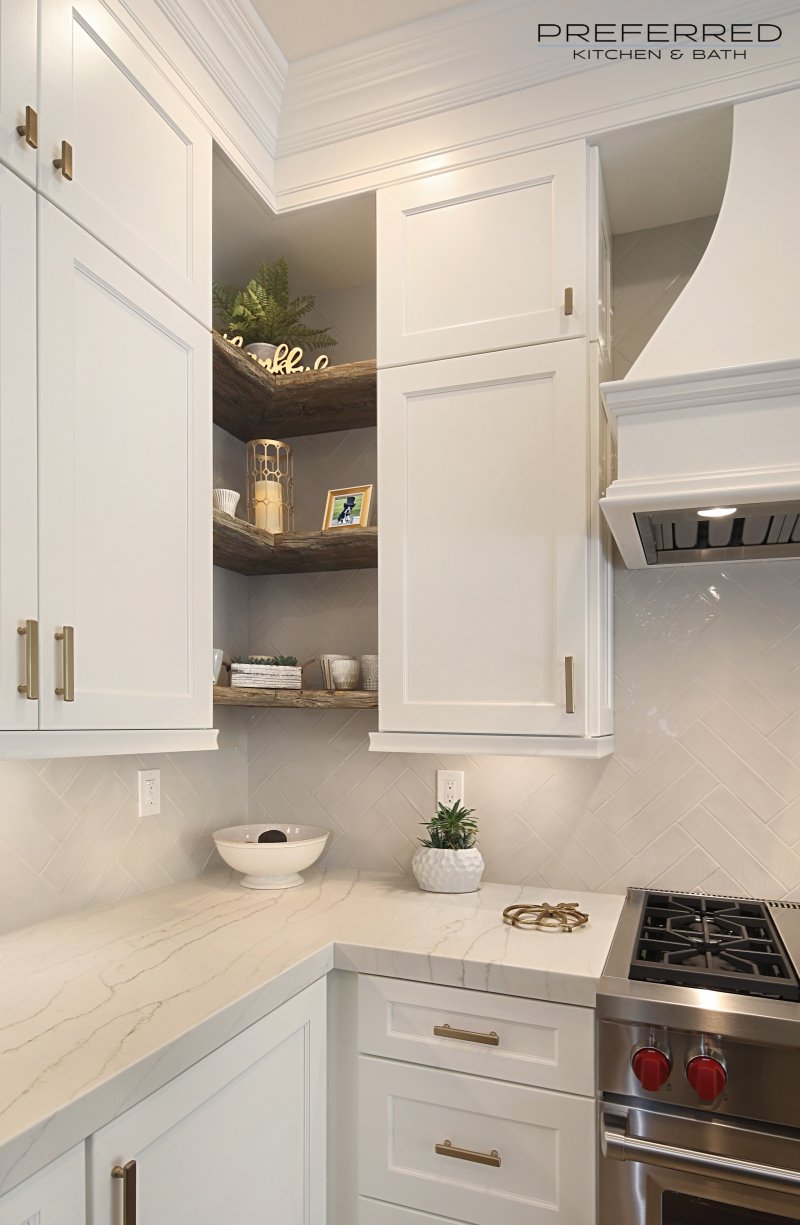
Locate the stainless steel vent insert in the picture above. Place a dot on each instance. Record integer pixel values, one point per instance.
(760, 530)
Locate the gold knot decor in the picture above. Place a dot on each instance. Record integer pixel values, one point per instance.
(563, 917)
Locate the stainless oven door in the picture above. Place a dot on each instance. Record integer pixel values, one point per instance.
(676, 1168)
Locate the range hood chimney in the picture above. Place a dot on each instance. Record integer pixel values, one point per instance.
(708, 417)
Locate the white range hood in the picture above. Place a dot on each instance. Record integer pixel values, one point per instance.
(708, 418)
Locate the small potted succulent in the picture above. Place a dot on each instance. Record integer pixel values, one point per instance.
(264, 314)
(448, 860)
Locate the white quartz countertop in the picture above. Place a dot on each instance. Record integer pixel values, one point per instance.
(101, 1008)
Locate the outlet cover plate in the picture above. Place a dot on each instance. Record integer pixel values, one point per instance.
(149, 793)
(449, 787)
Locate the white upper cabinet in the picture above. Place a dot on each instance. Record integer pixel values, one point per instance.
(18, 90)
(484, 479)
(18, 591)
(141, 160)
(239, 1137)
(489, 257)
(124, 479)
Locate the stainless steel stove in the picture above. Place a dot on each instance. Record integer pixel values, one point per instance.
(699, 1063)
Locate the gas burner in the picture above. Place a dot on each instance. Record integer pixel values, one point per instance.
(563, 917)
(719, 943)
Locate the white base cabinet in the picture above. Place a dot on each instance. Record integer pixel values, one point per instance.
(239, 1137)
(473, 1108)
(54, 1196)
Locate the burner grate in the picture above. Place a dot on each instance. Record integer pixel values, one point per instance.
(723, 944)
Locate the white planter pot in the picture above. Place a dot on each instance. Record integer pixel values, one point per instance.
(261, 350)
(447, 871)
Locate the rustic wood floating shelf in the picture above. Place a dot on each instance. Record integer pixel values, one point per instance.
(249, 550)
(297, 699)
(249, 402)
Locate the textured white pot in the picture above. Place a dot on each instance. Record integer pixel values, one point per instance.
(261, 350)
(447, 871)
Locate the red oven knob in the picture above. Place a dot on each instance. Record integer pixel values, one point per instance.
(707, 1076)
(651, 1067)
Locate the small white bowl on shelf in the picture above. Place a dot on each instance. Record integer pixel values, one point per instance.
(271, 865)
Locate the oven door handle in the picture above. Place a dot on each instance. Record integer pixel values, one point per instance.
(617, 1144)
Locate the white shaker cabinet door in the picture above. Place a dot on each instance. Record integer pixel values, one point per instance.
(18, 88)
(18, 593)
(141, 160)
(483, 472)
(54, 1196)
(124, 480)
(238, 1139)
(483, 258)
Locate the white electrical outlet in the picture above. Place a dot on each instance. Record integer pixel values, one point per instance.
(449, 787)
(149, 793)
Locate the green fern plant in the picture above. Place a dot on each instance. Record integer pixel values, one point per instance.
(451, 829)
(265, 312)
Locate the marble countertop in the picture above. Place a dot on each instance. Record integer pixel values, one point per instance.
(101, 1008)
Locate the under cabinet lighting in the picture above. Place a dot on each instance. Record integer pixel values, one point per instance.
(717, 512)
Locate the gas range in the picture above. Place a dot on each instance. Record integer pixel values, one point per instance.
(698, 1042)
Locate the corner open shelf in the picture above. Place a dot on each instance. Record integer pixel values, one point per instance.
(249, 402)
(248, 550)
(297, 699)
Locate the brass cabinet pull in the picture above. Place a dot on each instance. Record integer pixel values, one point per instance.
(568, 300)
(30, 631)
(64, 163)
(67, 639)
(448, 1149)
(569, 684)
(466, 1035)
(127, 1173)
(30, 128)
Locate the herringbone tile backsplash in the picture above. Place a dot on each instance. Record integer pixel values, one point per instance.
(703, 791)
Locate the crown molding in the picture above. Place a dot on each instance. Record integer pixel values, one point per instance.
(700, 389)
(470, 54)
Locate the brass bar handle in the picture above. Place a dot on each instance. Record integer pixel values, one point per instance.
(569, 684)
(64, 163)
(127, 1173)
(67, 639)
(569, 300)
(30, 128)
(448, 1149)
(30, 631)
(466, 1035)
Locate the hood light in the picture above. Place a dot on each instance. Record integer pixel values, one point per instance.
(717, 512)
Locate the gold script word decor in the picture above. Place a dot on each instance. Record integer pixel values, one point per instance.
(284, 360)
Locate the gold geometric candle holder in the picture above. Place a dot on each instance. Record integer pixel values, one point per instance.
(270, 482)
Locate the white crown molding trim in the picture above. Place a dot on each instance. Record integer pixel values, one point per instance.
(734, 385)
(483, 50)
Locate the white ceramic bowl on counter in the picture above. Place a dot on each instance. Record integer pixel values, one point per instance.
(271, 865)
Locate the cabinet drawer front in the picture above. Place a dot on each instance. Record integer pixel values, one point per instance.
(527, 1041)
(540, 1146)
(374, 1212)
(479, 259)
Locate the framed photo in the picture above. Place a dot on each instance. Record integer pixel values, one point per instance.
(348, 507)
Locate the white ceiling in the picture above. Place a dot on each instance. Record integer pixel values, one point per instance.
(304, 27)
(328, 247)
(665, 172)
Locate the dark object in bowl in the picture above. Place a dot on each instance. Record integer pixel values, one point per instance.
(273, 835)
